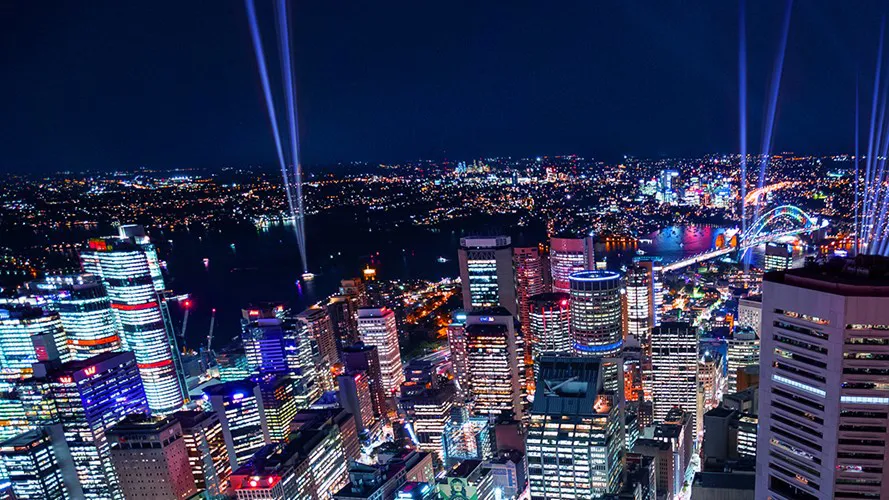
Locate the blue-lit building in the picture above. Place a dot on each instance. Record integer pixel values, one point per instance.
(89, 397)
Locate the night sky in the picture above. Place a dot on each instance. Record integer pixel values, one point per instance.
(109, 84)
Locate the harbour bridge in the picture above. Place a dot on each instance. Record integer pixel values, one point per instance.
(757, 234)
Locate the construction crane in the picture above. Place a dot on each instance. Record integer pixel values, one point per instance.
(210, 335)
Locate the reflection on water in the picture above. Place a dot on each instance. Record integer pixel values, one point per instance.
(671, 244)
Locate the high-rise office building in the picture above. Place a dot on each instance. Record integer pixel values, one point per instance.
(742, 351)
(279, 403)
(486, 273)
(364, 358)
(207, 453)
(674, 359)
(495, 363)
(639, 306)
(344, 320)
(778, 257)
(457, 344)
(568, 256)
(528, 280)
(427, 410)
(29, 335)
(240, 410)
(317, 323)
(85, 311)
(655, 269)
(356, 291)
(30, 464)
(150, 458)
(264, 340)
(130, 271)
(750, 313)
(823, 373)
(89, 397)
(596, 313)
(354, 394)
(550, 328)
(575, 439)
(377, 328)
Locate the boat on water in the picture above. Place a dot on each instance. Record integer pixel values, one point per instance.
(442, 260)
(308, 276)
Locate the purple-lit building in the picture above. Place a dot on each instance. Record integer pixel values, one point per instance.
(239, 408)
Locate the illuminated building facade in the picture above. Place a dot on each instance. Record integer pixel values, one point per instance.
(30, 464)
(550, 326)
(317, 323)
(427, 411)
(91, 396)
(377, 328)
(778, 257)
(239, 408)
(150, 458)
(655, 269)
(495, 363)
(596, 313)
(85, 311)
(263, 337)
(575, 441)
(278, 402)
(743, 350)
(568, 256)
(129, 268)
(674, 376)
(28, 335)
(528, 283)
(639, 305)
(470, 479)
(459, 358)
(823, 378)
(466, 438)
(207, 453)
(343, 320)
(750, 313)
(486, 272)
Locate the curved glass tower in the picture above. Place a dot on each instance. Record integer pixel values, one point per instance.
(596, 313)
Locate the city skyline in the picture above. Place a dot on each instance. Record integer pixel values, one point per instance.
(598, 80)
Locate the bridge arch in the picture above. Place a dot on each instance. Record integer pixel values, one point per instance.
(794, 213)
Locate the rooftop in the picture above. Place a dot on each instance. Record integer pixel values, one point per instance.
(864, 275)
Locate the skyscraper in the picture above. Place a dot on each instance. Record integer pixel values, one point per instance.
(207, 453)
(655, 269)
(427, 410)
(486, 273)
(130, 271)
(150, 458)
(575, 440)
(377, 328)
(778, 257)
(639, 305)
(596, 313)
(528, 280)
(244, 427)
(459, 359)
(823, 373)
(550, 330)
(264, 340)
(567, 256)
(743, 350)
(317, 322)
(89, 397)
(30, 464)
(364, 358)
(344, 320)
(494, 363)
(278, 403)
(85, 311)
(354, 394)
(675, 360)
(28, 335)
(750, 312)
